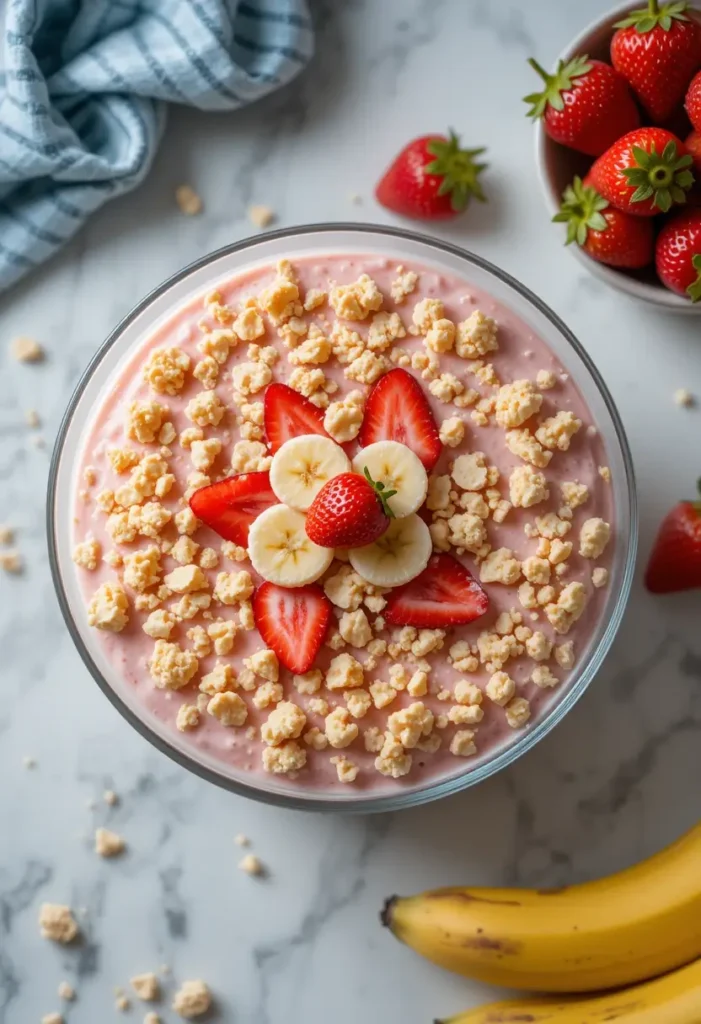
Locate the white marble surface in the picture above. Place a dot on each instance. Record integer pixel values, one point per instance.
(617, 779)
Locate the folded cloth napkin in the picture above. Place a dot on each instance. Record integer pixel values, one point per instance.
(82, 92)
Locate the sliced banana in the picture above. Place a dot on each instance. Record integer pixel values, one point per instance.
(400, 470)
(280, 550)
(400, 554)
(301, 467)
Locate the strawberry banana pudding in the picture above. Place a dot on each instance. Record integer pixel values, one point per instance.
(345, 521)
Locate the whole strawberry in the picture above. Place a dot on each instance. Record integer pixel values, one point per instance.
(678, 254)
(432, 179)
(692, 102)
(658, 49)
(585, 105)
(693, 144)
(349, 511)
(644, 173)
(675, 562)
(608, 235)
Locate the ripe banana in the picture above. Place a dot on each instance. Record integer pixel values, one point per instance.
(401, 553)
(301, 467)
(602, 934)
(280, 550)
(673, 999)
(399, 469)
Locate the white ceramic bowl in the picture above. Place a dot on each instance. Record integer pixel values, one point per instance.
(557, 167)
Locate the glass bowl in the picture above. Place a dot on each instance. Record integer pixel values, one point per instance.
(317, 240)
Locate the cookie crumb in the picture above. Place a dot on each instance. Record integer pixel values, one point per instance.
(7, 534)
(192, 999)
(52, 1018)
(242, 840)
(152, 1018)
(29, 762)
(355, 198)
(146, 986)
(261, 216)
(66, 991)
(251, 865)
(122, 1004)
(110, 797)
(108, 844)
(56, 922)
(26, 350)
(188, 200)
(684, 398)
(31, 418)
(11, 561)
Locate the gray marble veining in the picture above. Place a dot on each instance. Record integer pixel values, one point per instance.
(613, 782)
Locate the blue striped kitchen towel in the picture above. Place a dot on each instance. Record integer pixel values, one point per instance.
(83, 88)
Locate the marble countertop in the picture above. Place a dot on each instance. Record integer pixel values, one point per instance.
(617, 779)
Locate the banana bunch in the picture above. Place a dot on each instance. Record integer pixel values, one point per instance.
(628, 927)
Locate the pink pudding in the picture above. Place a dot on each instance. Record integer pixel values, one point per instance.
(521, 496)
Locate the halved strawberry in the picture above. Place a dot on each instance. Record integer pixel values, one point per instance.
(444, 594)
(292, 622)
(397, 410)
(230, 506)
(288, 414)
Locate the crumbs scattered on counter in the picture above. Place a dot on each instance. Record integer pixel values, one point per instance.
(684, 398)
(110, 797)
(11, 561)
(152, 1018)
(29, 762)
(52, 1018)
(355, 198)
(31, 418)
(192, 999)
(66, 991)
(26, 350)
(252, 865)
(56, 922)
(242, 840)
(122, 1004)
(146, 986)
(188, 200)
(261, 216)
(108, 844)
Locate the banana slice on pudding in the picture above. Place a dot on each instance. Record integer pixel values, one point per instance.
(400, 554)
(280, 550)
(301, 467)
(399, 469)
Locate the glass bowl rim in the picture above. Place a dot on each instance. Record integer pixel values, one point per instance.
(431, 791)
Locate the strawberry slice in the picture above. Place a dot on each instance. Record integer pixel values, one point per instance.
(288, 414)
(397, 410)
(230, 506)
(292, 622)
(444, 594)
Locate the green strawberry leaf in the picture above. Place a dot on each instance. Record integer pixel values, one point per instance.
(458, 169)
(581, 211)
(664, 177)
(646, 19)
(663, 200)
(694, 292)
(555, 84)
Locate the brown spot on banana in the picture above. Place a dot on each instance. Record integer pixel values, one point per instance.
(505, 947)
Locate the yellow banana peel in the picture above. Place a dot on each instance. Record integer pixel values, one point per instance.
(634, 925)
(672, 999)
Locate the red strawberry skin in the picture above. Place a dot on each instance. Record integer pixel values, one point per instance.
(444, 594)
(658, 63)
(413, 187)
(675, 562)
(608, 173)
(620, 241)
(678, 248)
(346, 513)
(288, 414)
(596, 110)
(692, 102)
(693, 144)
(397, 410)
(292, 622)
(230, 506)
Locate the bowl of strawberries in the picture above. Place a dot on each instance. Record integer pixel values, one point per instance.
(619, 150)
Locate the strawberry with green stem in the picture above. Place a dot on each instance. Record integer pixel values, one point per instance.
(432, 178)
(606, 234)
(658, 48)
(585, 105)
(644, 173)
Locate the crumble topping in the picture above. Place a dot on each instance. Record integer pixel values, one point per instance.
(56, 922)
(192, 999)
